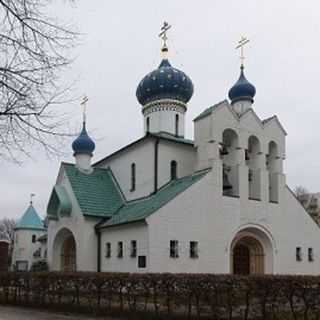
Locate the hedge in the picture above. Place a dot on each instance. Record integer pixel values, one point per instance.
(164, 296)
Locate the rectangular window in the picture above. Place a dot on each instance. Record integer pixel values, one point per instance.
(174, 249)
(142, 262)
(34, 238)
(194, 249)
(120, 249)
(133, 249)
(133, 177)
(310, 254)
(298, 254)
(108, 250)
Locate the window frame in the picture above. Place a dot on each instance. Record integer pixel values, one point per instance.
(310, 254)
(176, 123)
(298, 254)
(174, 249)
(194, 249)
(140, 260)
(173, 170)
(133, 177)
(120, 249)
(133, 248)
(108, 250)
(148, 124)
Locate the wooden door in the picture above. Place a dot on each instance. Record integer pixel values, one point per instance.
(241, 260)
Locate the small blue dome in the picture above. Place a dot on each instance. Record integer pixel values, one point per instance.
(165, 82)
(83, 144)
(242, 89)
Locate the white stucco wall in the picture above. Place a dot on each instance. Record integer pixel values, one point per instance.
(142, 154)
(214, 220)
(125, 233)
(183, 154)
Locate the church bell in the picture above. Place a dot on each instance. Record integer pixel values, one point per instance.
(223, 150)
(226, 183)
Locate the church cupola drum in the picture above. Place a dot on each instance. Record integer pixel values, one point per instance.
(164, 94)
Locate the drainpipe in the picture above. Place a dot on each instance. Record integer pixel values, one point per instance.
(98, 233)
(156, 151)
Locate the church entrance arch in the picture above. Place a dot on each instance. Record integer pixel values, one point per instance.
(251, 252)
(65, 251)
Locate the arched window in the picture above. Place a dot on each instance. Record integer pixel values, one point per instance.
(254, 171)
(272, 166)
(173, 170)
(133, 177)
(177, 125)
(229, 153)
(148, 124)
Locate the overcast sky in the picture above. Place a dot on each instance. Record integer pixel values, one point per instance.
(120, 45)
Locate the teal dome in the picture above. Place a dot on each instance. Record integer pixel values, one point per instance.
(30, 220)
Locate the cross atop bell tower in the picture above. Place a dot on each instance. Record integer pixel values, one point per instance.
(241, 44)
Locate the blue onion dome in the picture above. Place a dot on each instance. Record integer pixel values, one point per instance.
(165, 82)
(242, 89)
(83, 144)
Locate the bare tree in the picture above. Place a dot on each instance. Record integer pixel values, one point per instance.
(7, 229)
(33, 52)
(303, 195)
(309, 201)
(7, 233)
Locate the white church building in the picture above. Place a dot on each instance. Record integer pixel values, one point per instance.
(164, 203)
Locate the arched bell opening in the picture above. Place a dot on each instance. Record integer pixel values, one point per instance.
(65, 251)
(229, 149)
(272, 162)
(252, 157)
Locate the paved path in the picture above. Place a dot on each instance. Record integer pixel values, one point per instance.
(17, 313)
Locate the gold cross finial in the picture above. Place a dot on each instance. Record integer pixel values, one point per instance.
(31, 197)
(241, 43)
(163, 35)
(83, 104)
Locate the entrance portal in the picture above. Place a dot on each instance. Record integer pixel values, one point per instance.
(64, 251)
(68, 254)
(248, 256)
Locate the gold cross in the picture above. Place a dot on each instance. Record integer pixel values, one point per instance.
(83, 104)
(163, 34)
(241, 43)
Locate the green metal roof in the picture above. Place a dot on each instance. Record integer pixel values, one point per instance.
(168, 136)
(30, 220)
(97, 193)
(59, 202)
(208, 111)
(138, 210)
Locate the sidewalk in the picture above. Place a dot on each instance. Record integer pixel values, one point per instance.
(17, 313)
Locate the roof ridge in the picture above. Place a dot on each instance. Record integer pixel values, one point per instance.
(209, 110)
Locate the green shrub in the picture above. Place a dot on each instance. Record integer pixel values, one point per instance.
(39, 266)
(164, 296)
